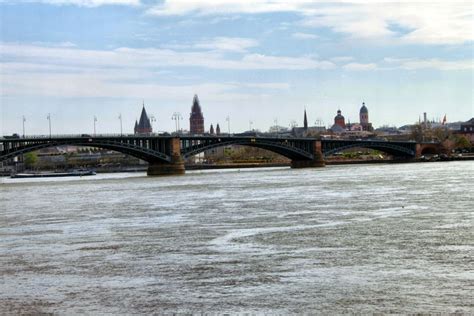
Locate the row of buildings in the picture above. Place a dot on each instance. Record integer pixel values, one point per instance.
(196, 122)
(340, 127)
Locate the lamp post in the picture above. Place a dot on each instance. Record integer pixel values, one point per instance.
(228, 123)
(120, 118)
(95, 121)
(152, 119)
(49, 120)
(24, 120)
(176, 117)
(250, 125)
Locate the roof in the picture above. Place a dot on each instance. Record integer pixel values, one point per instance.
(364, 109)
(144, 122)
(196, 108)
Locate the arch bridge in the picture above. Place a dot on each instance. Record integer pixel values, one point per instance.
(166, 154)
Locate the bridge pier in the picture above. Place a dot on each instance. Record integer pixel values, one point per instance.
(317, 162)
(166, 169)
(175, 167)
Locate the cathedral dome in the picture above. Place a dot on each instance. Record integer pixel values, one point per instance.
(363, 109)
(339, 116)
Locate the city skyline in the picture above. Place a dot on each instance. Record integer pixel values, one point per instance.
(255, 61)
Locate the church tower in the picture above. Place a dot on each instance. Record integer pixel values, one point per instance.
(364, 118)
(196, 119)
(143, 126)
(339, 119)
(305, 121)
(364, 115)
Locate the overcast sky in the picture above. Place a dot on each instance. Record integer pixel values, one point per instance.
(252, 60)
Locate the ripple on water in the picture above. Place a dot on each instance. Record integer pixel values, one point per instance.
(393, 238)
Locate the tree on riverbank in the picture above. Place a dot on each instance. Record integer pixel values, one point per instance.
(30, 159)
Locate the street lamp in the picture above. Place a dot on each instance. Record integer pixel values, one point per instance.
(95, 120)
(120, 118)
(24, 120)
(250, 125)
(152, 119)
(49, 120)
(228, 123)
(176, 117)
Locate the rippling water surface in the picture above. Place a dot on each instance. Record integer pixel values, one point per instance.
(376, 238)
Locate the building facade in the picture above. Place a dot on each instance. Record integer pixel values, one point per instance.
(467, 130)
(196, 118)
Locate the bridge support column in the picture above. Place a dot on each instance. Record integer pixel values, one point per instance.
(175, 167)
(317, 162)
(418, 151)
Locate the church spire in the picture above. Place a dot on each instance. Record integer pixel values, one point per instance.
(305, 121)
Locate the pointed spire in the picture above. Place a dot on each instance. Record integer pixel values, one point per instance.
(305, 121)
(211, 130)
(196, 108)
(218, 129)
(144, 124)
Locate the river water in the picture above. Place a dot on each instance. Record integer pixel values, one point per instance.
(394, 238)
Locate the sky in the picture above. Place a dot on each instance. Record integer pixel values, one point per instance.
(258, 62)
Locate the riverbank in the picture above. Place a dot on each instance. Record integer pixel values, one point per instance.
(264, 165)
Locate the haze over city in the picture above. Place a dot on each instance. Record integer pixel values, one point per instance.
(261, 61)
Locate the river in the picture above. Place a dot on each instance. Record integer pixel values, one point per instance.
(384, 238)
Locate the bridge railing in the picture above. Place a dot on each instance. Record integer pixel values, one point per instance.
(20, 137)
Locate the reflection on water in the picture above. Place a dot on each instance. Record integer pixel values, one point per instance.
(375, 238)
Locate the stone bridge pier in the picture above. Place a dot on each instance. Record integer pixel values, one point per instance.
(174, 167)
(316, 162)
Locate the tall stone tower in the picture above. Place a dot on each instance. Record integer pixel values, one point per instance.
(339, 119)
(364, 118)
(196, 119)
(364, 115)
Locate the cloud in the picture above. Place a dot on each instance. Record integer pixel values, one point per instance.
(360, 67)
(153, 57)
(338, 59)
(413, 64)
(55, 71)
(433, 63)
(180, 7)
(304, 36)
(402, 21)
(81, 3)
(231, 44)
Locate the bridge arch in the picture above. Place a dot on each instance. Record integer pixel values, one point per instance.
(291, 149)
(386, 147)
(137, 151)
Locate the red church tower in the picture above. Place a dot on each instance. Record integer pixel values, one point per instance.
(339, 120)
(196, 119)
